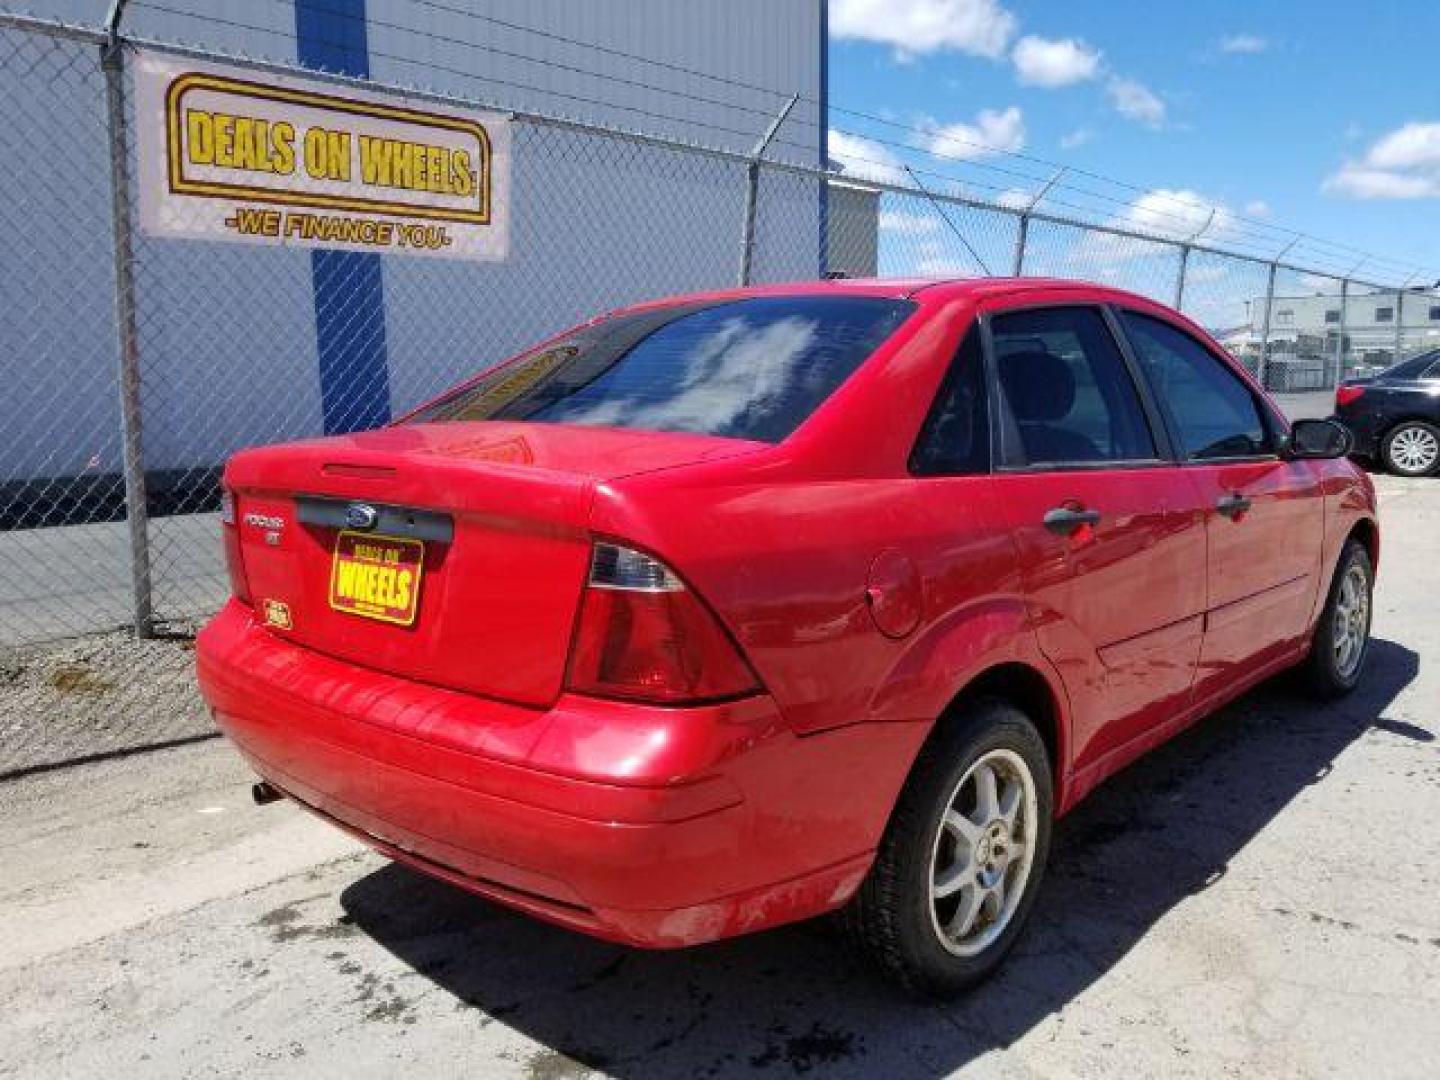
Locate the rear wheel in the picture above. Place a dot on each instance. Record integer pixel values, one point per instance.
(1342, 635)
(958, 869)
(1412, 449)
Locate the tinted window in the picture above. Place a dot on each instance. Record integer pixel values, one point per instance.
(1214, 413)
(1070, 396)
(750, 369)
(956, 435)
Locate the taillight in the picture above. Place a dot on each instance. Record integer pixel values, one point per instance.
(1344, 395)
(644, 636)
(234, 563)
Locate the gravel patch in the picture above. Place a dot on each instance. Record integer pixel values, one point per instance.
(97, 696)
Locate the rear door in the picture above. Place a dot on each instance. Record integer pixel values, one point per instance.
(1111, 552)
(1264, 516)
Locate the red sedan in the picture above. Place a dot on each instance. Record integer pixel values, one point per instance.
(726, 611)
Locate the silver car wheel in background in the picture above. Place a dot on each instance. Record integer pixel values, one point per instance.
(983, 852)
(1351, 628)
(1414, 449)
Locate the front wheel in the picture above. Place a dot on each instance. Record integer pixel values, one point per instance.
(961, 860)
(1342, 634)
(1412, 449)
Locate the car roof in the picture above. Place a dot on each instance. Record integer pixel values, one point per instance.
(930, 289)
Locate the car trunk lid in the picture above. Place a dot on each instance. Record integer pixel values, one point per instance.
(454, 554)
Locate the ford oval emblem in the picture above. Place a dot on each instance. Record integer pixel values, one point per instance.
(360, 516)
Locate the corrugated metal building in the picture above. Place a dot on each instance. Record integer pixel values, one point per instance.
(240, 345)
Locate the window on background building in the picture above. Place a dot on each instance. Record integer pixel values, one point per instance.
(1434, 313)
(1332, 316)
(1384, 314)
(1285, 317)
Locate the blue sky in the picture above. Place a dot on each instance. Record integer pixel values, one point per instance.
(1316, 115)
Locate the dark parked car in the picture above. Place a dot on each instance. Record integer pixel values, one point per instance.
(1395, 416)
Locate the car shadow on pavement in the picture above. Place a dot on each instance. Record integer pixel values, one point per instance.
(794, 1000)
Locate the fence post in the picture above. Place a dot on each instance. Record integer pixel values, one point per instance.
(752, 190)
(1340, 341)
(1399, 321)
(1018, 266)
(1185, 246)
(112, 63)
(1022, 234)
(1265, 326)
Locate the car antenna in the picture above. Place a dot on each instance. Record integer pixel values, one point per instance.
(946, 218)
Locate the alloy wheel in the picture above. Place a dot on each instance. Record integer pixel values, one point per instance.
(1351, 627)
(1414, 449)
(983, 852)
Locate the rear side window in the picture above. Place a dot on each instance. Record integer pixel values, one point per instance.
(956, 437)
(1070, 397)
(1215, 414)
(748, 369)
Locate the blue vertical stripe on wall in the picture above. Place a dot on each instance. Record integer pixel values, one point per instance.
(348, 285)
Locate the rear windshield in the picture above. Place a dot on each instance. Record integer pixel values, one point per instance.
(747, 369)
(1414, 368)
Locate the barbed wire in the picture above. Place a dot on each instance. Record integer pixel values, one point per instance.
(1240, 229)
(1305, 240)
(1154, 212)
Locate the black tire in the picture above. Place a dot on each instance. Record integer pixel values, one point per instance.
(1323, 673)
(891, 919)
(1394, 440)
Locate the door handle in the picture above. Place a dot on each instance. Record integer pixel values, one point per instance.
(1233, 505)
(1065, 520)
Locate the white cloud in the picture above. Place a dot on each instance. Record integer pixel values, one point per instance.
(1257, 208)
(1320, 284)
(1243, 43)
(1403, 164)
(1054, 62)
(993, 132)
(1076, 139)
(904, 221)
(1409, 146)
(1177, 214)
(976, 27)
(1361, 183)
(938, 258)
(1136, 101)
(1015, 198)
(1164, 213)
(865, 159)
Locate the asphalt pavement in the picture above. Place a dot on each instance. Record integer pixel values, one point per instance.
(1256, 899)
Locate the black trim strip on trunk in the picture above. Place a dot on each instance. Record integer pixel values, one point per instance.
(403, 521)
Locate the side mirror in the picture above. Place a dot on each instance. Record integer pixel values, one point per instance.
(1318, 439)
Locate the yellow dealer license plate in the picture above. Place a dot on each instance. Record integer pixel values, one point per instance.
(377, 577)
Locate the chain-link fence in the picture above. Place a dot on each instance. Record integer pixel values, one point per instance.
(138, 364)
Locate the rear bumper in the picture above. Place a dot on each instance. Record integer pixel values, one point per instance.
(654, 827)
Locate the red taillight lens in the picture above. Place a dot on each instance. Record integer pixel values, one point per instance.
(234, 563)
(644, 636)
(1344, 395)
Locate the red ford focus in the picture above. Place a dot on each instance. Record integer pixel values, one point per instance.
(727, 611)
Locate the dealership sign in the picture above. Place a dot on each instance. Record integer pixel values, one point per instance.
(226, 154)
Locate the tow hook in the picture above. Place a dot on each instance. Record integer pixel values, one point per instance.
(263, 793)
